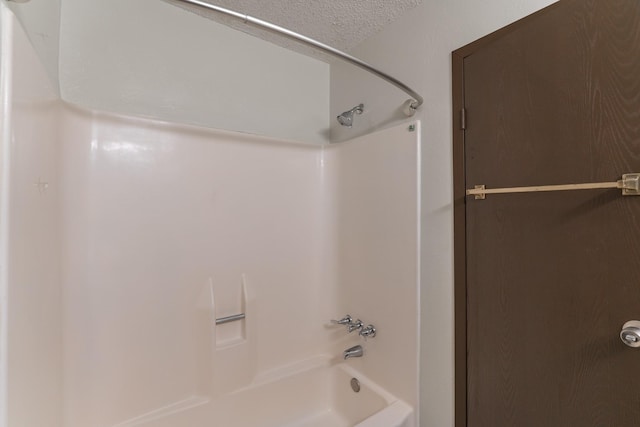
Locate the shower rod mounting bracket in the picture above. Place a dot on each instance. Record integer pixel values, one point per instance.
(410, 107)
(629, 184)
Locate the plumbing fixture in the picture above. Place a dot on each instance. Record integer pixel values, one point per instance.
(344, 321)
(355, 385)
(368, 332)
(355, 351)
(352, 325)
(355, 325)
(346, 118)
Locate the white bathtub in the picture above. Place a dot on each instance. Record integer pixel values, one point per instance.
(318, 397)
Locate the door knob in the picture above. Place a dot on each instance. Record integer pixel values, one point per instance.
(630, 334)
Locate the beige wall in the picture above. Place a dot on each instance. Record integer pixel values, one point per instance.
(149, 58)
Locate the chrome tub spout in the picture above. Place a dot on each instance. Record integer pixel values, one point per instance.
(355, 351)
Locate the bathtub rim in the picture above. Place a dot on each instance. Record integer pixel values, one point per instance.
(394, 409)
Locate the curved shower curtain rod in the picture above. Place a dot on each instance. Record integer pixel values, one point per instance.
(410, 106)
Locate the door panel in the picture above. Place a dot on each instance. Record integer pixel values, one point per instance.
(551, 277)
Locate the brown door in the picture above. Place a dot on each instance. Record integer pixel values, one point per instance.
(546, 280)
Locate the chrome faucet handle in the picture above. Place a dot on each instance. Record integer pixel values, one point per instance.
(368, 332)
(346, 320)
(352, 326)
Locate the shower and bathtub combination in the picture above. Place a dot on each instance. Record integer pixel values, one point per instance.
(161, 274)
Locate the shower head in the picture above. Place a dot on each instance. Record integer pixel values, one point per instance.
(346, 118)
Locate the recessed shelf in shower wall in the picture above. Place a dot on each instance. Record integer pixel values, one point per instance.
(229, 319)
(234, 351)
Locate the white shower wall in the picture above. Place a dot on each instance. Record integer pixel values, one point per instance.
(373, 219)
(30, 309)
(150, 212)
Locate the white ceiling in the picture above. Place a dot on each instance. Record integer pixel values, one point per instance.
(342, 24)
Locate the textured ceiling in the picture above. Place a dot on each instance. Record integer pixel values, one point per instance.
(342, 24)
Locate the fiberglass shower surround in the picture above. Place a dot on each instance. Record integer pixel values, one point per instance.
(130, 242)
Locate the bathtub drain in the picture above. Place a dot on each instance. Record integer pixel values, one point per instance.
(355, 385)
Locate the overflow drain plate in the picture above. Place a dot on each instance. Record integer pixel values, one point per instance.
(355, 385)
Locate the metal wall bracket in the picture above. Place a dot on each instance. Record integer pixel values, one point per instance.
(629, 184)
(481, 195)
